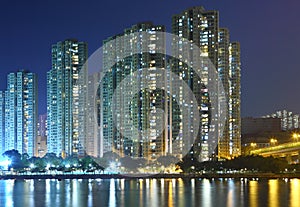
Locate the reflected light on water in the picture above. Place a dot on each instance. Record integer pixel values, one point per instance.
(90, 195)
(295, 192)
(162, 189)
(75, 191)
(47, 192)
(180, 192)
(8, 193)
(253, 193)
(150, 192)
(162, 184)
(193, 183)
(122, 184)
(147, 183)
(112, 194)
(154, 190)
(230, 195)
(273, 193)
(170, 195)
(206, 193)
(174, 182)
(141, 192)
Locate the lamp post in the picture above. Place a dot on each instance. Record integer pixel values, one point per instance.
(296, 137)
(273, 141)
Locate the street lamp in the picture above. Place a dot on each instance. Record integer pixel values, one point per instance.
(273, 141)
(296, 136)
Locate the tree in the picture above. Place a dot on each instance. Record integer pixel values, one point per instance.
(25, 160)
(167, 160)
(15, 157)
(87, 163)
(111, 156)
(52, 160)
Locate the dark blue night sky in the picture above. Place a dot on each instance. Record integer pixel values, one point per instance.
(268, 30)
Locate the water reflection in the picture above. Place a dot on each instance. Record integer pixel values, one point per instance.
(170, 195)
(273, 193)
(253, 193)
(150, 192)
(112, 194)
(230, 194)
(206, 197)
(294, 195)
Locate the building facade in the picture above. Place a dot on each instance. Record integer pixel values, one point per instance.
(41, 139)
(2, 118)
(289, 120)
(201, 27)
(42, 125)
(132, 58)
(20, 112)
(94, 137)
(234, 101)
(66, 98)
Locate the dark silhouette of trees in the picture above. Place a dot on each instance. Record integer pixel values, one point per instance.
(247, 163)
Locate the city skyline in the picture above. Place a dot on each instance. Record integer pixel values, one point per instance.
(267, 57)
(188, 92)
(149, 103)
(139, 59)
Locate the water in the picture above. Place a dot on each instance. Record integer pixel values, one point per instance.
(150, 192)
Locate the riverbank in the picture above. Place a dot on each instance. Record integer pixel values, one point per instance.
(157, 176)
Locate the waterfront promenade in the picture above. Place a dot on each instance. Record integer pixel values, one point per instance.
(153, 176)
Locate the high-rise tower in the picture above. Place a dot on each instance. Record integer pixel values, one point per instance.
(132, 100)
(94, 139)
(66, 98)
(2, 118)
(234, 99)
(21, 112)
(201, 27)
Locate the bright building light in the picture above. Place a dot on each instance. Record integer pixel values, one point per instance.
(5, 164)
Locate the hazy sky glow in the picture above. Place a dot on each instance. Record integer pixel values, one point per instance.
(268, 31)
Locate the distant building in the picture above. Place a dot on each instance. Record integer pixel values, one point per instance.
(41, 146)
(252, 125)
(41, 139)
(2, 118)
(94, 137)
(289, 121)
(20, 112)
(42, 125)
(66, 98)
(259, 132)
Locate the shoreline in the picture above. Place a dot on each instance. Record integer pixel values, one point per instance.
(152, 176)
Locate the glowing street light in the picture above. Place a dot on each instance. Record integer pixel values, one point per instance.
(296, 136)
(273, 141)
(253, 144)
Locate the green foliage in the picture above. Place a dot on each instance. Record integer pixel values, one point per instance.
(15, 157)
(88, 163)
(52, 160)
